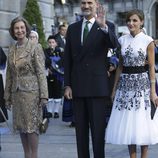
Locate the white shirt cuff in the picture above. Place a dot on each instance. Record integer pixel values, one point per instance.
(105, 29)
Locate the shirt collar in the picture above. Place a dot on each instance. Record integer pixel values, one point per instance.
(92, 20)
(62, 36)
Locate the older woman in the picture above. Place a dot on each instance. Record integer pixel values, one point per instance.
(26, 86)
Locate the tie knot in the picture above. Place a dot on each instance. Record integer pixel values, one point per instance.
(87, 22)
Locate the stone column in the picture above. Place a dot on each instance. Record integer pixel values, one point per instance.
(47, 11)
(9, 10)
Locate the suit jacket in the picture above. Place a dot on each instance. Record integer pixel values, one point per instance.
(60, 41)
(85, 65)
(25, 71)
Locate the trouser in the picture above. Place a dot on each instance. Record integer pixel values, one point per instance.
(53, 105)
(89, 112)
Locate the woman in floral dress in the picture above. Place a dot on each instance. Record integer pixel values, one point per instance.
(130, 122)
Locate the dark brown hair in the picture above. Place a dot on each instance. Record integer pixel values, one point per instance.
(18, 19)
(51, 37)
(137, 12)
(61, 26)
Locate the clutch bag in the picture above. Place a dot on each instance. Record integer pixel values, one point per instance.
(153, 109)
(43, 126)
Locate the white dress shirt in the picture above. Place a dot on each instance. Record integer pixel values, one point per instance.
(90, 24)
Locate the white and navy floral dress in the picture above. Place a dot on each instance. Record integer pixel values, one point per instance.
(130, 121)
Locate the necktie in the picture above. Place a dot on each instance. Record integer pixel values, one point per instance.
(85, 31)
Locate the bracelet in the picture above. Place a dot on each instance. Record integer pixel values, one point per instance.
(152, 81)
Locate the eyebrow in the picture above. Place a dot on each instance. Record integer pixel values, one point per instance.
(86, 2)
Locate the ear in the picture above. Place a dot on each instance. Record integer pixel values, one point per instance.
(142, 23)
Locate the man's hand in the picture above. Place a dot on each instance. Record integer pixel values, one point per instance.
(68, 92)
(100, 18)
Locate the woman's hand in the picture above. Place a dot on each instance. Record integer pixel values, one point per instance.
(8, 105)
(112, 95)
(43, 102)
(154, 99)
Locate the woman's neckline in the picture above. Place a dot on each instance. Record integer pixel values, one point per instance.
(22, 43)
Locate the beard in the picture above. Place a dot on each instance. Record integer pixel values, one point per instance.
(86, 13)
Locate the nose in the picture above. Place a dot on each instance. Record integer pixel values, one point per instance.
(86, 5)
(19, 29)
(130, 22)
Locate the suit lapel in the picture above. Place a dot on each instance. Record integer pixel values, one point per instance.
(92, 34)
(79, 32)
(77, 39)
(89, 43)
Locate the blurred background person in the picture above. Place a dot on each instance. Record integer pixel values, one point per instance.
(156, 56)
(26, 86)
(3, 59)
(67, 112)
(112, 66)
(60, 37)
(78, 17)
(54, 66)
(34, 36)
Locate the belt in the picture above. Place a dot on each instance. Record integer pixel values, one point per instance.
(133, 69)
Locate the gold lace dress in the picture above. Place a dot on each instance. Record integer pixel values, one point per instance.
(25, 85)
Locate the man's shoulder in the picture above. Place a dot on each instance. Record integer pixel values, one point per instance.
(109, 23)
(57, 35)
(74, 24)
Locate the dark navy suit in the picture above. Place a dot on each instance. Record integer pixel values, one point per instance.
(86, 73)
(60, 41)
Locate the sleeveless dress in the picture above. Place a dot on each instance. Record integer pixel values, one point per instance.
(130, 121)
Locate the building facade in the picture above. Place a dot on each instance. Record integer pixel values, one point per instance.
(9, 11)
(55, 12)
(116, 11)
(118, 8)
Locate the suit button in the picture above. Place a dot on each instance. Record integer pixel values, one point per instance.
(87, 64)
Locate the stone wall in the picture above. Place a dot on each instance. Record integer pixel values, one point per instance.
(9, 9)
